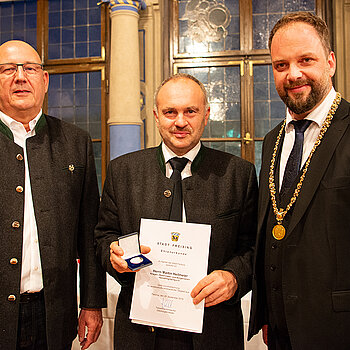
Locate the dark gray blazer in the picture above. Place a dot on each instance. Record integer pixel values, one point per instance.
(315, 263)
(66, 205)
(221, 192)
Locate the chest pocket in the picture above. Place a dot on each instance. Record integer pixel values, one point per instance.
(337, 182)
(72, 177)
(73, 169)
(228, 214)
(341, 300)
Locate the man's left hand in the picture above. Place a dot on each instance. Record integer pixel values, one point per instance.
(92, 320)
(215, 288)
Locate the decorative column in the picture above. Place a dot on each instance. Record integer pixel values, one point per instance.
(124, 86)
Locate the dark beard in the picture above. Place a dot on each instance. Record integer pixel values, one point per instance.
(299, 105)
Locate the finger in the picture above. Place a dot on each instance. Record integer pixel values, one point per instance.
(145, 249)
(88, 341)
(215, 298)
(204, 293)
(93, 334)
(119, 269)
(265, 330)
(82, 344)
(199, 286)
(118, 263)
(118, 260)
(219, 287)
(81, 330)
(220, 294)
(96, 334)
(116, 249)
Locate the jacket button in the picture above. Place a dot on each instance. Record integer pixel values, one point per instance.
(13, 261)
(11, 297)
(19, 189)
(167, 193)
(15, 224)
(19, 156)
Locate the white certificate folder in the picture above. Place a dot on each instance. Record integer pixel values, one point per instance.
(161, 297)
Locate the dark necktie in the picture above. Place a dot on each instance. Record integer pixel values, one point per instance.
(178, 164)
(294, 160)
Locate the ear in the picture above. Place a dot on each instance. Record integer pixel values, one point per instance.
(206, 118)
(332, 63)
(46, 80)
(156, 117)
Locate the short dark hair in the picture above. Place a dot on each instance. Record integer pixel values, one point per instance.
(182, 76)
(305, 17)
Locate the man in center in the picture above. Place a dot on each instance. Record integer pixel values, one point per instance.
(218, 189)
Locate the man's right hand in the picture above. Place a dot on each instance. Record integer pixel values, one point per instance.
(116, 253)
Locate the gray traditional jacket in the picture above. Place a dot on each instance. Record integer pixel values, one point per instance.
(66, 199)
(222, 192)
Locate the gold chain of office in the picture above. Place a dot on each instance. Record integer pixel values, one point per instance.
(279, 231)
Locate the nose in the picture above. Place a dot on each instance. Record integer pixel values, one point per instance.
(181, 120)
(20, 74)
(294, 72)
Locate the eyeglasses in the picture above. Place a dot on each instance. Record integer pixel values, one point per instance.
(12, 68)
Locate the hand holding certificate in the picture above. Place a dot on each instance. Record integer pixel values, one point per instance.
(179, 252)
(215, 288)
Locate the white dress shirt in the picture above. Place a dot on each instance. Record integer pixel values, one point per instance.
(317, 116)
(31, 273)
(186, 172)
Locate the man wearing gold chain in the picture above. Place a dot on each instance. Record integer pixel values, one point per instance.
(301, 285)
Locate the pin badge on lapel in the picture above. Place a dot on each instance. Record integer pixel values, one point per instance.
(71, 168)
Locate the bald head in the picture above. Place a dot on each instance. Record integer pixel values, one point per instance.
(15, 49)
(21, 92)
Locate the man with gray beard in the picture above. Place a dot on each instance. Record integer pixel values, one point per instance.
(301, 284)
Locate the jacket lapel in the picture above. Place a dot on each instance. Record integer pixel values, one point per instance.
(319, 163)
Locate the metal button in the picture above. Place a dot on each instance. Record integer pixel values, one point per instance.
(167, 193)
(272, 267)
(15, 224)
(274, 246)
(151, 329)
(19, 189)
(19, 156)
(13, 261)
(11, 297)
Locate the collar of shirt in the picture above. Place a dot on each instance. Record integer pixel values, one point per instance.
(318, 115)
(190, 155)
(20, 134)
